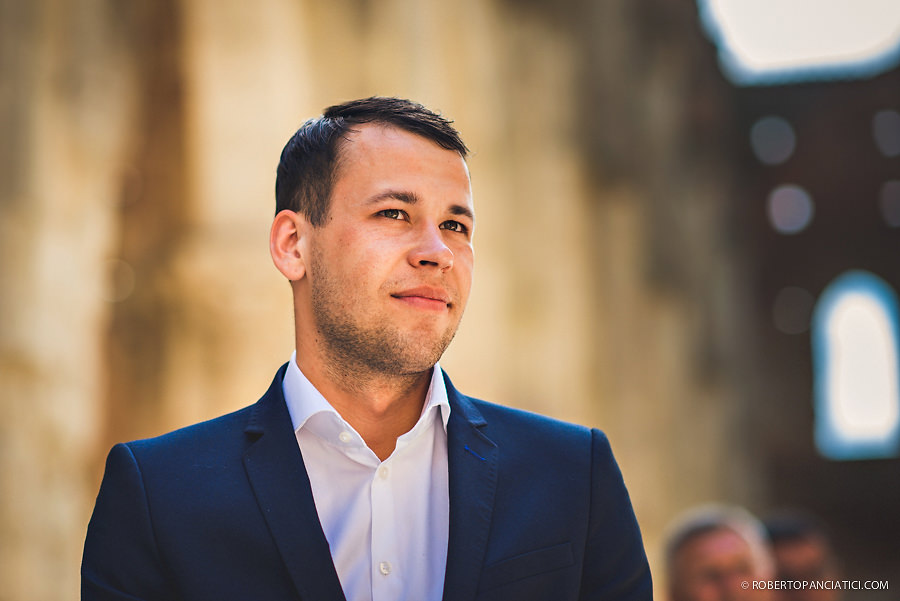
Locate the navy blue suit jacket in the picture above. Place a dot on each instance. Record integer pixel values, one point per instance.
(223, 510)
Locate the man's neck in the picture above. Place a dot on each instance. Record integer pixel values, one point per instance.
(381, 407)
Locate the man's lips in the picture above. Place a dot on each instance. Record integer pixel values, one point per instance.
(424, 297)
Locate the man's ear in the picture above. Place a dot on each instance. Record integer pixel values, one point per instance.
(287, 244)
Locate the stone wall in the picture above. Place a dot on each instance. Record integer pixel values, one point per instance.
(68, 101)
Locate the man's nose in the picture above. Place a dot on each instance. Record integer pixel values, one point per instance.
(431, 250)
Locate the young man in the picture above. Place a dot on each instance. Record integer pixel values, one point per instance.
(362, 474)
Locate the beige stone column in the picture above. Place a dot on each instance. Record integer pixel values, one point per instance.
(67, 95)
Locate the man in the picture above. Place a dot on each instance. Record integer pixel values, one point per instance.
(362, 474)
(802, 552)
(716, 553)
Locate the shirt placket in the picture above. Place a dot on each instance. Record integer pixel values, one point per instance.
(386, 571)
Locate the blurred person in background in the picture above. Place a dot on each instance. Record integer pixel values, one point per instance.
(716, 553)
(362, 474)
(803, 552)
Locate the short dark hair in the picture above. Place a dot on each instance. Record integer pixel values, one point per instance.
(309, 161)
(791, 526)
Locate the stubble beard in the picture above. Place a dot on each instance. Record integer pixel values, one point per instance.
(356, 351)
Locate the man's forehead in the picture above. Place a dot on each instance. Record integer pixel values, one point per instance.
(377, 136)
(383, 148)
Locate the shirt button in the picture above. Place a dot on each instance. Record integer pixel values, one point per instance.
(345, 436)
(383, 472)
(384, 567)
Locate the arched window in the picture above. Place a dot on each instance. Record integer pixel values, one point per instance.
(855, 358)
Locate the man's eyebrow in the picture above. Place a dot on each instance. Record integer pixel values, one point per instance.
(405, 197)
(410, 198)
(462, 210)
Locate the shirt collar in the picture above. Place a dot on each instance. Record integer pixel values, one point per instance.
(304, 400)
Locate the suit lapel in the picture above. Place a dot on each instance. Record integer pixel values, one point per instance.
(278, 477)
(472, 461)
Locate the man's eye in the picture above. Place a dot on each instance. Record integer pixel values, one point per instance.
(392, 213)
(454, 226)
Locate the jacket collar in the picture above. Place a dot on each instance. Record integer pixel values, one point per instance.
(278, 477)
(473, 462)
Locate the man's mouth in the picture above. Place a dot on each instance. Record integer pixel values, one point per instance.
(424, 297)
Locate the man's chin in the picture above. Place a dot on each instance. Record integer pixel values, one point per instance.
(416, 357)
(417, 363)
(410, 349)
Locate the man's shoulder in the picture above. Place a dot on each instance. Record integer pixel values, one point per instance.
(510, 423)
(211, 437)
(216, 426)
(521, 416)
(216, 435)
(536, 450)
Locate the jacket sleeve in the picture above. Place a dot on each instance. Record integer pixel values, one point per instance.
(615, 566)
(121, 560)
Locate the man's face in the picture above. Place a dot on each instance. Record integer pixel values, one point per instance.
(714, 567)
(805, 559)
(390, 269)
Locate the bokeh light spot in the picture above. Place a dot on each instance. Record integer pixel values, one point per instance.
(778, 41)
(889, 202)
(790, 209)
(886, 130)
(773, 140)
(857, 385)
(121, 280)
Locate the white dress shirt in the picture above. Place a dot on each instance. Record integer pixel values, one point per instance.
(386, 522)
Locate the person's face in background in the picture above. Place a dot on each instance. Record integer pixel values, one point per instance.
(805, 559)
